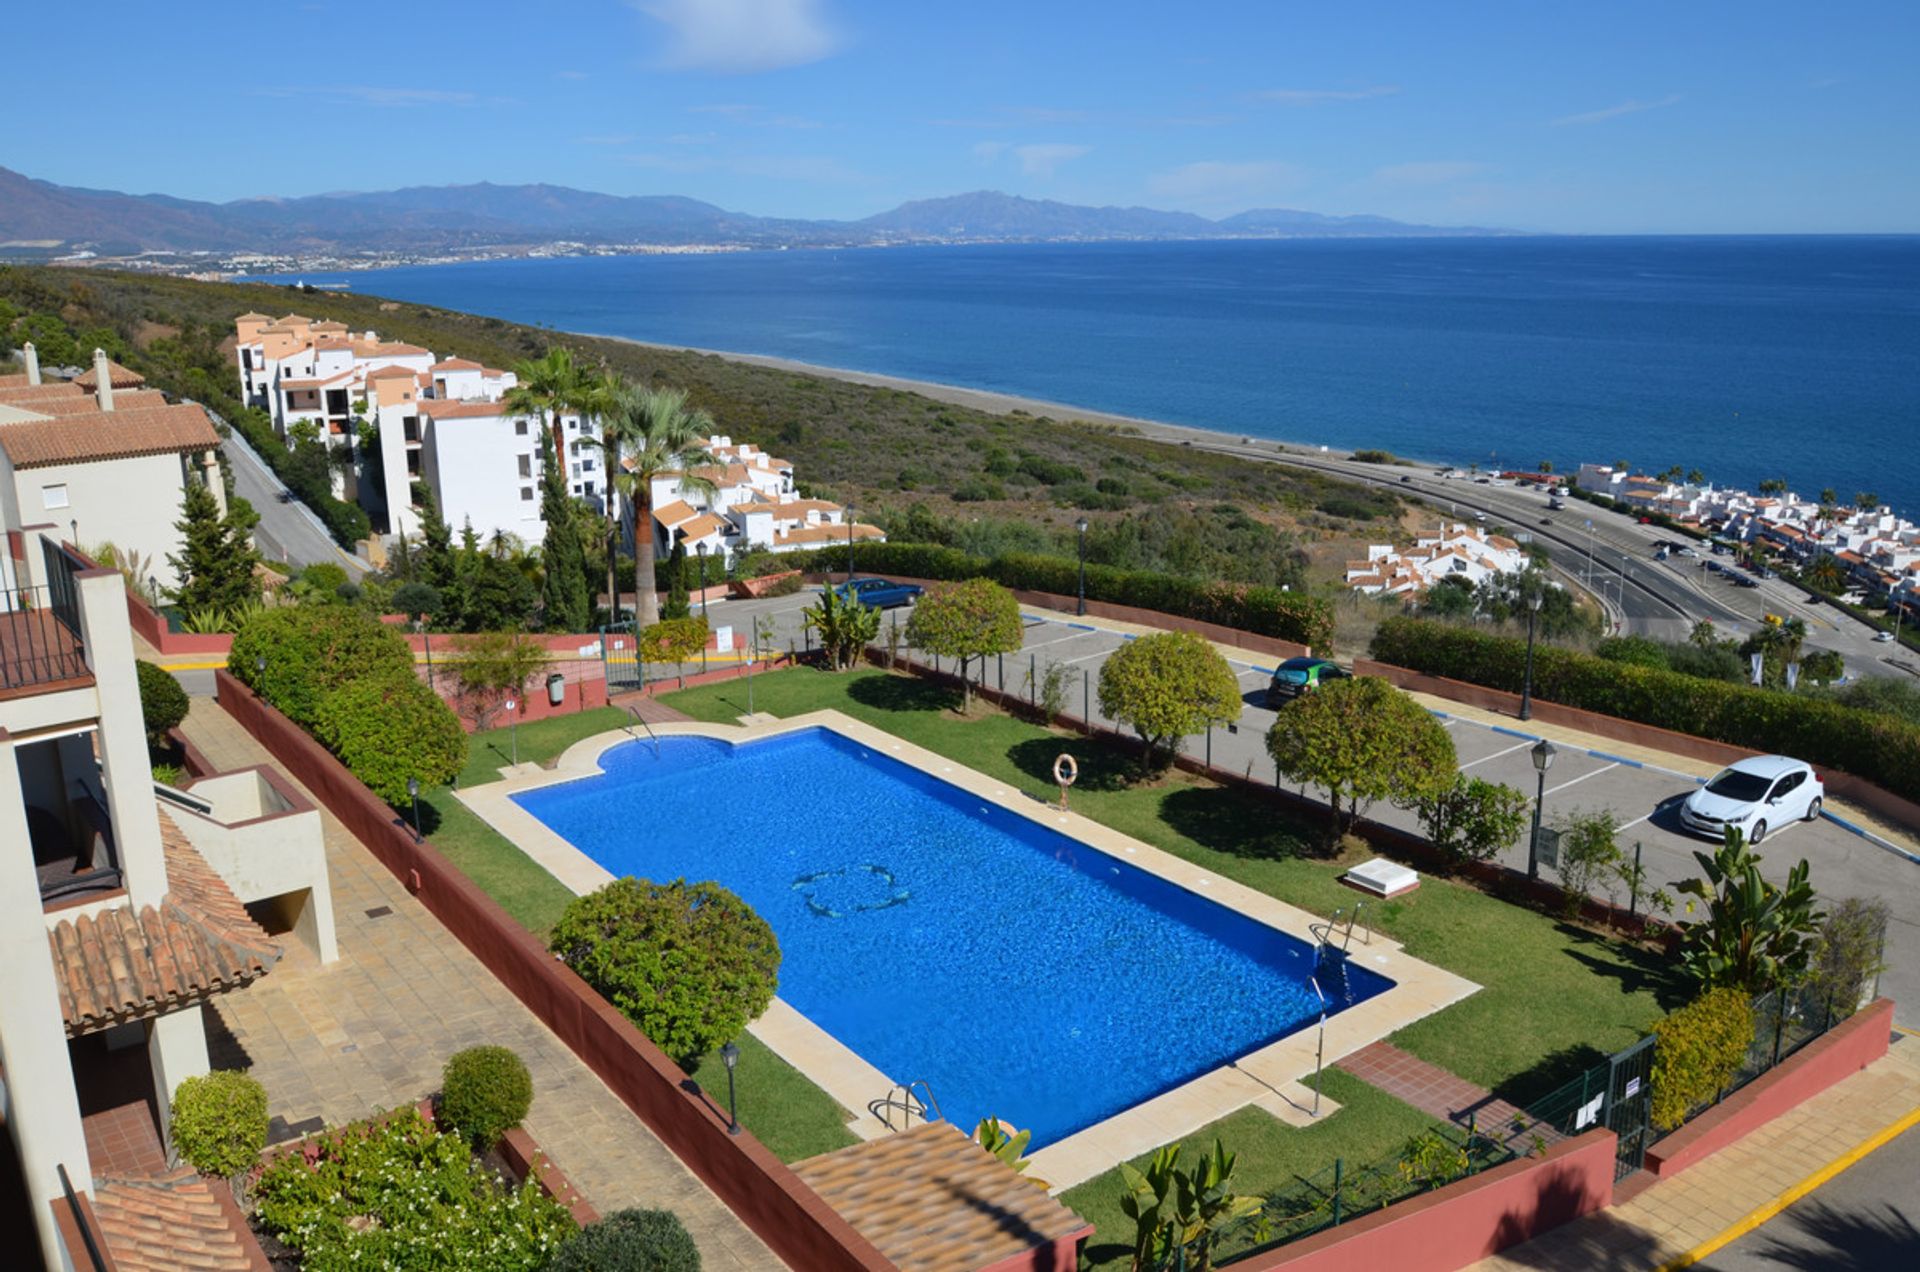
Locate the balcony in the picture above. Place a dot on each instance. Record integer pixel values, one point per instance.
(73, 856)
(40, 642)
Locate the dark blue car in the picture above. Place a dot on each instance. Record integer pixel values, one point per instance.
(880, 593)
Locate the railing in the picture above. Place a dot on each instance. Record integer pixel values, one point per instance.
(1323, 930)
(40, 640)
(642, 722)
(81, 1220)
(909, 1100)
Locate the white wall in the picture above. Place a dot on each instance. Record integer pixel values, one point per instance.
(476, 472)
(132, 502)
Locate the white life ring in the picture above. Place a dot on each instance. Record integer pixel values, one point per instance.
(1066, 770)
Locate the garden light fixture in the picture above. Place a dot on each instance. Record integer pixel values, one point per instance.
(1543, 753)
(730, 1054)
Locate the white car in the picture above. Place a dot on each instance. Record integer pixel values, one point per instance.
(1883, 638)
(1754, 796)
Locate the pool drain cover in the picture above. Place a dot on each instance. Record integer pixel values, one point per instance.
(846, 890)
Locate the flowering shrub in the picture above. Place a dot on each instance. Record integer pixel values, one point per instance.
(396, 1193)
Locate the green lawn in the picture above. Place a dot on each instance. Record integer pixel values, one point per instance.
(785, 1111)
(539, 742)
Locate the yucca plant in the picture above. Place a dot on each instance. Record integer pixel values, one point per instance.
(844, 626)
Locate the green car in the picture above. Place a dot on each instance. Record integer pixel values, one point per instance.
(1301, 675)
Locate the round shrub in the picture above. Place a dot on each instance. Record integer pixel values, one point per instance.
(630, 1241)
(689, 963)
(310, 650)
(1698, 1050)
(163, 702)
(484, 1093)
(388, 728)
(220, 1122)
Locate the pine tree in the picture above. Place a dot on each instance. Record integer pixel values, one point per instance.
(677, 604)
(216, 560)
(564, 589)
(435, 559)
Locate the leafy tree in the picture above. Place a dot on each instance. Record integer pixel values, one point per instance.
(216, 558)
(967, 620)
(1472, 819)
(219, 1121)
(1166, 686)
(1361, 740)
(494, 666)
(565, 604)
(418, 601)
(1589, 857)
(674, 640)
(163, 703)
(387, 729)
(495, 594)
(1449, 598)
(295, 655)
(689, 963)
(1704, 634)
(1850, 953)
(435, 560)
(1822, 666)
(1754, 935)
(844, 626)
(652, 433)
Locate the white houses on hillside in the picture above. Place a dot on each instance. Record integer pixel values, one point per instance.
(752, 504)
(1457, 551)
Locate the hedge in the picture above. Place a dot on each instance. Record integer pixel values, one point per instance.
(1698, 1050)
(311, 650)
(1880, 748)
(1264, 611)
(389, 728)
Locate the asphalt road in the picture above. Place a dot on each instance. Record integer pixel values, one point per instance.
(1866, 1219)
(288, 532)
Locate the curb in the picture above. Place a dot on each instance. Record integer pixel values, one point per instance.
(1759, 1215)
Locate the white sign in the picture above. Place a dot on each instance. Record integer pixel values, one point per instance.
(1633, 1089)
(510, 704)
(1588, 1113)
(723, 639)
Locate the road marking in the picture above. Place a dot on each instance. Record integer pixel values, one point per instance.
(1583, 777)
(1517, 746)
(1042, 644)
(1098, 653)
(1760, 1214)
(1635, 822)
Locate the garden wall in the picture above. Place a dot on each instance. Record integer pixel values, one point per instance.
(768, 1197)
(1464, 1222)
(1848, 1047)
(153, 629)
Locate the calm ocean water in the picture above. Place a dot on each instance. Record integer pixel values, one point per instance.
(1744, 357)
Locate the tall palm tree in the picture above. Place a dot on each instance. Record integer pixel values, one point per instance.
(1866, 501)
(598, 394)
(1695, 477)
(548, 387)
(652, 433)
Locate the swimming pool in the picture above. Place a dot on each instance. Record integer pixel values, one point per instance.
(1018, 971)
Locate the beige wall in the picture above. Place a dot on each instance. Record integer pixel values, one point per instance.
(133, 503)
(281, 856)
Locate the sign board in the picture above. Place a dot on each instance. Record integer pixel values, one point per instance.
(1589, 1113)
(1546, 847)
(723, 639)
(1633, 1089)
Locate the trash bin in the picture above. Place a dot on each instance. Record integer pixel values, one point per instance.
(556, 690)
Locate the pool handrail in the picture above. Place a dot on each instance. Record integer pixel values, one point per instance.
(635, 713)
(906, 1098)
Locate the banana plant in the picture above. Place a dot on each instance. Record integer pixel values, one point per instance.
(1149, 1201)
(1178, 1213)
(844, 626)
(1755, 935)
(1008, 1145)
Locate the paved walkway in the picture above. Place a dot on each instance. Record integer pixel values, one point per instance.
(1677, 1221)
(372, 1030)
(1441, 1094)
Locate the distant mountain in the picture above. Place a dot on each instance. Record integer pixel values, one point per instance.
(40, 217)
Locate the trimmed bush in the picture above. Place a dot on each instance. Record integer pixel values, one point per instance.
(311, 650)
(688, 963)
(1697, 1052)
(1879, 748)
(630, 1241)
(388, 728)
(219, 1122)
(484, 1093)
(163, 703)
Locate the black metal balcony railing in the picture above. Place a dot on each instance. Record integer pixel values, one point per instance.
(40, 627)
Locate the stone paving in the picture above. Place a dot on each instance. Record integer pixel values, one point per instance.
(372, 1031)
(1441, 1094)
(1672, 1217)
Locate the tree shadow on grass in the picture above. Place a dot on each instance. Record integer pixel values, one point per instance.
(1234, 822)
(1636, 968)
(1547, 1075)
(903, 693)
(1102, 767)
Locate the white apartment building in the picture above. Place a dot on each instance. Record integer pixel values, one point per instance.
(101, 459)
(752, 504)
(1457, 551)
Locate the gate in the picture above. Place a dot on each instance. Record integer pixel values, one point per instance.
(1629, 1109)
(620, 658)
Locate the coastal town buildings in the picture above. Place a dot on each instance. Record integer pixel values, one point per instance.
(100, 459)
(1455, 551)
(746, 501)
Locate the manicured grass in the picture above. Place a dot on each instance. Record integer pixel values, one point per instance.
(786, 1112)
(1555, 998)
(1369, 1126)
(521, 885)
(539, 742)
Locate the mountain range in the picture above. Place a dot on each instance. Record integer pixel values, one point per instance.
(39, 218)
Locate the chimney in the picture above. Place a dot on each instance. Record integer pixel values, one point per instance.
(32, 356)
(103, 377)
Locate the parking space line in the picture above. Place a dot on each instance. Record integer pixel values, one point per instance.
(1870, 837)
(1513, 733)
(1635, 822)
(1042, 644)
(1517, 746)
(1098, 653)
(1583, 777)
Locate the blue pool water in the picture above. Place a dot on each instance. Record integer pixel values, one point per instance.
(1016, 970)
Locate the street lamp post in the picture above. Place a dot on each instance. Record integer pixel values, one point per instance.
(730, 1054)
(1081, 526)
(700, 550)
(1543, 753)
(413, 793)
(852, 516)
(513, 728)
(1526, 691)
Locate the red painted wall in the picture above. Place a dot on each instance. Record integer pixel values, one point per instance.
(1847, 1048)
(1464, 1222)
(768, 1197)
(153, 630)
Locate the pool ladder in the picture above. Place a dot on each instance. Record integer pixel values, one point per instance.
(908, 1100)
(641, 721)
(1324, 930)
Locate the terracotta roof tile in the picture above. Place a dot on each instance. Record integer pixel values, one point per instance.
(931, 1199)
(456, 409)
(15, 380)
(167, 1223)
(88, 438)
(458, 364)
(118, 376)
(118, 965)
(825, 534)
(27, 394)
(392, 373)
(87, 404)
(671, 515)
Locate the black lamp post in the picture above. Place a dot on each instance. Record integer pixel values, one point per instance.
(1081, 526)
(1543, 753)
(413, 793)
(851, 516)
(700, 550)
(730, 1054)
(1526, 692)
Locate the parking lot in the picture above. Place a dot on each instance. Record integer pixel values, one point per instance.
(1642, 794)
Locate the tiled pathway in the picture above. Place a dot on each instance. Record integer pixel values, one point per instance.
(1440, 1094)
(372, 1031)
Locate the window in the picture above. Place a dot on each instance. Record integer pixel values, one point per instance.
(526, 466)
(526, 494)
(519, 428)
(588, 490)
(54, 496)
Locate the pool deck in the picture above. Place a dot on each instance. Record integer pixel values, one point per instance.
(1269, 1077)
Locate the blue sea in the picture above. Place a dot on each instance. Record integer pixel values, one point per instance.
(1744, 357)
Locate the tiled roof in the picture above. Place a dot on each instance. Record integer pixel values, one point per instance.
(392, 373)
(826, 534)
(167, 1223)
(87, 438)
(384, 349)
(27, 394)
(458, 364)
(86, 403)
(461, 410)
(672, 514)
(117, 376)
(119, 965)
(933, 1200)
(701, 526)
(15, 380)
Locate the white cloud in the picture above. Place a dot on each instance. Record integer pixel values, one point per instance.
(1211, 182)
(1043, 159)
(1632, 106)
(1315, 96)
(1432, 172)
(758, 116)
(739, 36)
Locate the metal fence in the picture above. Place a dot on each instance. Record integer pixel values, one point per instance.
(40, 640)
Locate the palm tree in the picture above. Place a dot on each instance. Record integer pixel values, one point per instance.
(1773, 486)
(1829, 496)
(1695, 477)
(652, 433)
(1826, 573)
(547, 388)
(1866, 501)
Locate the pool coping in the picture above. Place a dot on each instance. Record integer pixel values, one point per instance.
(1269, 1077)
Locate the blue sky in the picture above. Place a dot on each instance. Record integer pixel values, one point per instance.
(1600, 117)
